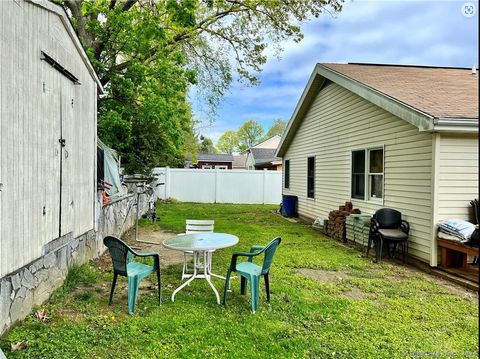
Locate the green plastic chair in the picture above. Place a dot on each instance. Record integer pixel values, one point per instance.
(252, 272)
(124, 265)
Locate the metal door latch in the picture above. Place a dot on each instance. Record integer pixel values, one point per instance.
(62, 142)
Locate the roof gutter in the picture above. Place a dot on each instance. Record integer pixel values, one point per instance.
(455, 124)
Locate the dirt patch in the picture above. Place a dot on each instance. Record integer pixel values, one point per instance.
(167, 256)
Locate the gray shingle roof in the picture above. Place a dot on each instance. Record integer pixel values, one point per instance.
(215, 157)
(239, 161)
(264, 155)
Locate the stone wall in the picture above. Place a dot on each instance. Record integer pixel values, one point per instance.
(33, 284)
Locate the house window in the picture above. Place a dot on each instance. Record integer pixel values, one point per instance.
(221, 167)
(367, 174)
(358, 174)
(311, 177)
(287, 173)
(375, 173)
(207, 167)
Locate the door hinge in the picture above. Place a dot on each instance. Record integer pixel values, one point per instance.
(62, 142)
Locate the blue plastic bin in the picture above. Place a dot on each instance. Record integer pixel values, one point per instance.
(289, 206)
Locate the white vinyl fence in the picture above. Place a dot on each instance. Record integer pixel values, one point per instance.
(219, 186)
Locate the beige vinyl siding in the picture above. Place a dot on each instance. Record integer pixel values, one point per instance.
(457, 175)
(337, 123)
(30, 130)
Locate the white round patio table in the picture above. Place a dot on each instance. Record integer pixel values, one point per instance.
(202, 245)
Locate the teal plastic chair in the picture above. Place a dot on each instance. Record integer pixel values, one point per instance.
(252, 272)
(124, 265)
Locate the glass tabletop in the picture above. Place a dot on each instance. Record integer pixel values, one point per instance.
(200, 241)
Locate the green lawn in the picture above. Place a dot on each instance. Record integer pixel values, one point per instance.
(352, 309)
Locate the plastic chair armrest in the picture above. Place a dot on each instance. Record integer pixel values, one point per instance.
(405, 226)
(374, 226)
(149, 254)
(254, 249)
(155, 256)
(233, 263)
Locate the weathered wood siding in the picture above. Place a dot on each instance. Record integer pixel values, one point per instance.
(457, 175)
(337, 123)
(31, 96)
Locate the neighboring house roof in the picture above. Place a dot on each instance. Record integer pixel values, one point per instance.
(430, 98)
(214, 157)
(60, 11)
(271, 142)
(264, 155)
(239, 161)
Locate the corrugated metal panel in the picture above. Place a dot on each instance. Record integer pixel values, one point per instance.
(338, 122)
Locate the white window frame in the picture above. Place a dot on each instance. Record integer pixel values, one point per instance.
(221, 167)
(207, 167)
(367, 192)
(369, 175)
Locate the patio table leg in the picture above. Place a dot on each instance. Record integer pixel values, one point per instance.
(194, 275)
(207, 272)
(209, 256)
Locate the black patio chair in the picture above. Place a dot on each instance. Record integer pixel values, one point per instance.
(388, 227)
(474, 240)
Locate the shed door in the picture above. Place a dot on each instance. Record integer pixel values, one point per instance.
(67, 164)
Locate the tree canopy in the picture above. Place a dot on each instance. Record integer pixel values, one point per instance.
(206, 145)
(249, 134)
(277, 128)
(148, 53)
(228, 142)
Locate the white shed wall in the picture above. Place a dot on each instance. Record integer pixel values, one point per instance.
(31, 96)
(337, 123)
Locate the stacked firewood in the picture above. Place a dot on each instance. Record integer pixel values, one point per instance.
(335, 224)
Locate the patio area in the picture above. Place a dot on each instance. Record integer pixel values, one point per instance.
(327, 301)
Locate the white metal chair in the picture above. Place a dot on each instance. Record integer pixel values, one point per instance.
(195, 226)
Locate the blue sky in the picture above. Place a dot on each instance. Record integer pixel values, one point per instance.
(399, 32)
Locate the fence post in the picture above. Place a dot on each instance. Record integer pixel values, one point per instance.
(264, 185)
(216, 186)
(167, 182)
